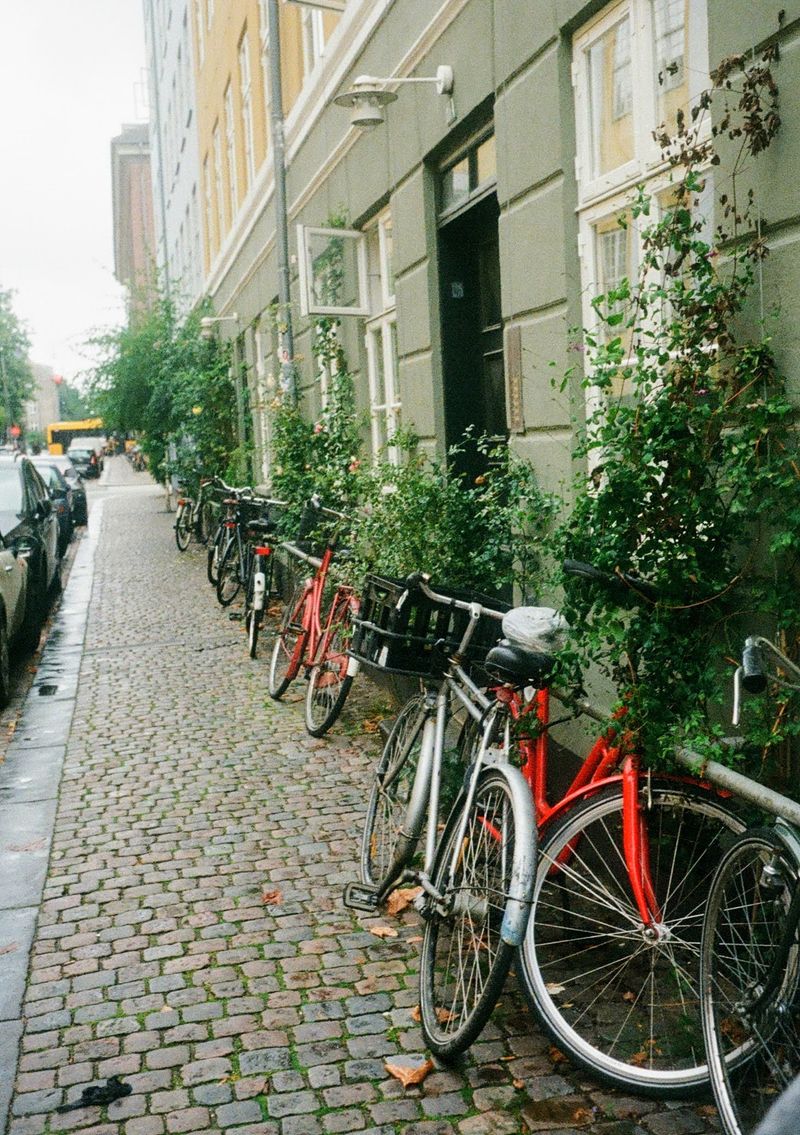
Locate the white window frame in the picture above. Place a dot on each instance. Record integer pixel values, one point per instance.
(263, 32)
(230, 151)
(306, 273)
(201, 33)
(216, 139)
(246, 90)
(607, 195)
(380, 337)
(313, 38)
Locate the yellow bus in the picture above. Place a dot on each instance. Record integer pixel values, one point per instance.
(60, 434)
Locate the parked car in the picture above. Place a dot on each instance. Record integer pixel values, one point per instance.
(80, 509)
(13, 593)
(29, 529)
(85, 458)
(61, 496)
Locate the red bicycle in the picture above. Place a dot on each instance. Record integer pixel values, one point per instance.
(314, 637)
(610, 959)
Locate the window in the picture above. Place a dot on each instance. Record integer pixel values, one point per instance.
(332, 267)
(634, 67)
(263, 31)
(201, 32)
(381, 341)
(313, 38)
(217, 144)
(469, 177)
(230, 152)
(247, 111)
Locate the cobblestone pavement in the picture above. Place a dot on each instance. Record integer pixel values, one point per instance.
(191, 938)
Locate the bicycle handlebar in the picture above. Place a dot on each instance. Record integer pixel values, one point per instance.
(618, 581)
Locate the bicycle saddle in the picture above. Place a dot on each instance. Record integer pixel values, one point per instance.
(518, 665)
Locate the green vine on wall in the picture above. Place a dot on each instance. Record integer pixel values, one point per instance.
(696, 477)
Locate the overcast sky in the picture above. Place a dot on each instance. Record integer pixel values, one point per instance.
(71, 73)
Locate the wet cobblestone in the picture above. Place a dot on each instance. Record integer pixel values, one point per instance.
(191, 937)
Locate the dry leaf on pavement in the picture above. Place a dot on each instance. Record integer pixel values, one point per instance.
(271, 898)
(409, 1076)
(383, 931)
(398, 900)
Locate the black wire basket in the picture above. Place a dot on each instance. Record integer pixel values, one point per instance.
(403, 631)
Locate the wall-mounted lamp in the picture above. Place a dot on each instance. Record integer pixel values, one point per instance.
(368, 95)
(207, 323)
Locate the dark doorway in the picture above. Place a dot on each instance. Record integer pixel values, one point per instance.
(472, 330)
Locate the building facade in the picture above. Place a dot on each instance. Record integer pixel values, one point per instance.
(132, 211)
(173, 137)
(478, 222)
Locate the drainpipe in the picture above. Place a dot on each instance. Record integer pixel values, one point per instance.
(286, 340)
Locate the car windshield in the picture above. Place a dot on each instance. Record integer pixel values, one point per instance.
(10, 490)
(52, 477)
(81, 454)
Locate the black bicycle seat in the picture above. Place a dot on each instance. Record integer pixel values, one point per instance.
(519, 666)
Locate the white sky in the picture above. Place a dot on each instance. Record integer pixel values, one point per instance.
(71, 73)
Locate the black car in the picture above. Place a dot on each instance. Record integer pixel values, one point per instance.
(85, 460)
(80, 510)
(61, 496)
(29, 526)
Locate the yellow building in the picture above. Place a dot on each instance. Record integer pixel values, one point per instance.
(233, 103)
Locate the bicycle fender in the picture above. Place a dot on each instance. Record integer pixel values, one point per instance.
(518, 907)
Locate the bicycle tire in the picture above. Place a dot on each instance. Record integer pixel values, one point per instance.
(253, 619)
(229, 578)
(205, 522)
(618, 1001)
(383, 853)
(466, 954)
(287, 652)
(214, 555)
(328, 681)
(753, 1049)
(183, 527)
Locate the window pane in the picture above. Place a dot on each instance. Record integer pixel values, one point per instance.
(388, 257)
(455, 184)
(487, 160)
(334, 270)
(670, 29)
(614, 259)
(611, 98)
(379, 374)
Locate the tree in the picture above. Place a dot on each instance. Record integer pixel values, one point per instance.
(16, 379)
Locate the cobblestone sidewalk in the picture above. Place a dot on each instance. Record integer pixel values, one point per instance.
(191, 938)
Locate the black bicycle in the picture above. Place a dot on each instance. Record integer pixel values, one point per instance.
(194, 519)
(250, 527)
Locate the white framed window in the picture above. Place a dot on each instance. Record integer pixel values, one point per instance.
(201, 32)
(313, 38)
(230, 151)
(245, 87)
(332, 271)
(381, 341)
(634, 67)
(216, 141)
(263, 34)
(207, 204)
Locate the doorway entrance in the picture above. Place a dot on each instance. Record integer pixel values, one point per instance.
(472, 330)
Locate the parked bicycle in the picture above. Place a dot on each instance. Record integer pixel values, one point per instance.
(315, 631)
(609, 963)
(476, 876)
(750, 952)
(194, 519)
(249, 525)
(219, 539)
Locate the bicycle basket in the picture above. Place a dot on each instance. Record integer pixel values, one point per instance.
(402, 631)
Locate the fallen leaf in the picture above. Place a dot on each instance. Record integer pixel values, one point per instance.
(444, 1016)
(416, 1014)
(408, 1076)
(553, 987)
(416, 938)
(383, 931)
(518, 1084)
(400, 899)
(10, 948)
(556, 1055)
(629, 997)
(706, 1109)
(271, 898)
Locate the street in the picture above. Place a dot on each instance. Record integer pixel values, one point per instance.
(180, 891)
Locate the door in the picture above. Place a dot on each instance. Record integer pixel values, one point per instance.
(472, 330)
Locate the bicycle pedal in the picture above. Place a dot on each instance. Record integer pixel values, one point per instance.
(359, 896)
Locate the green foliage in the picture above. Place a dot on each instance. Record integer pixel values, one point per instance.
(159, 379)
(16, 380)
(420, 516)
(73, 404)
(696, 477)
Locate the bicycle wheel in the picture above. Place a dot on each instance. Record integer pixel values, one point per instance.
(229, 580)
(466, 953)
(750, 1011)
(287, 652)
(619, 998)
(205, 522)
(215, 551)
(183, 527)
(329, 683)
(256, 599)
(383, 855)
